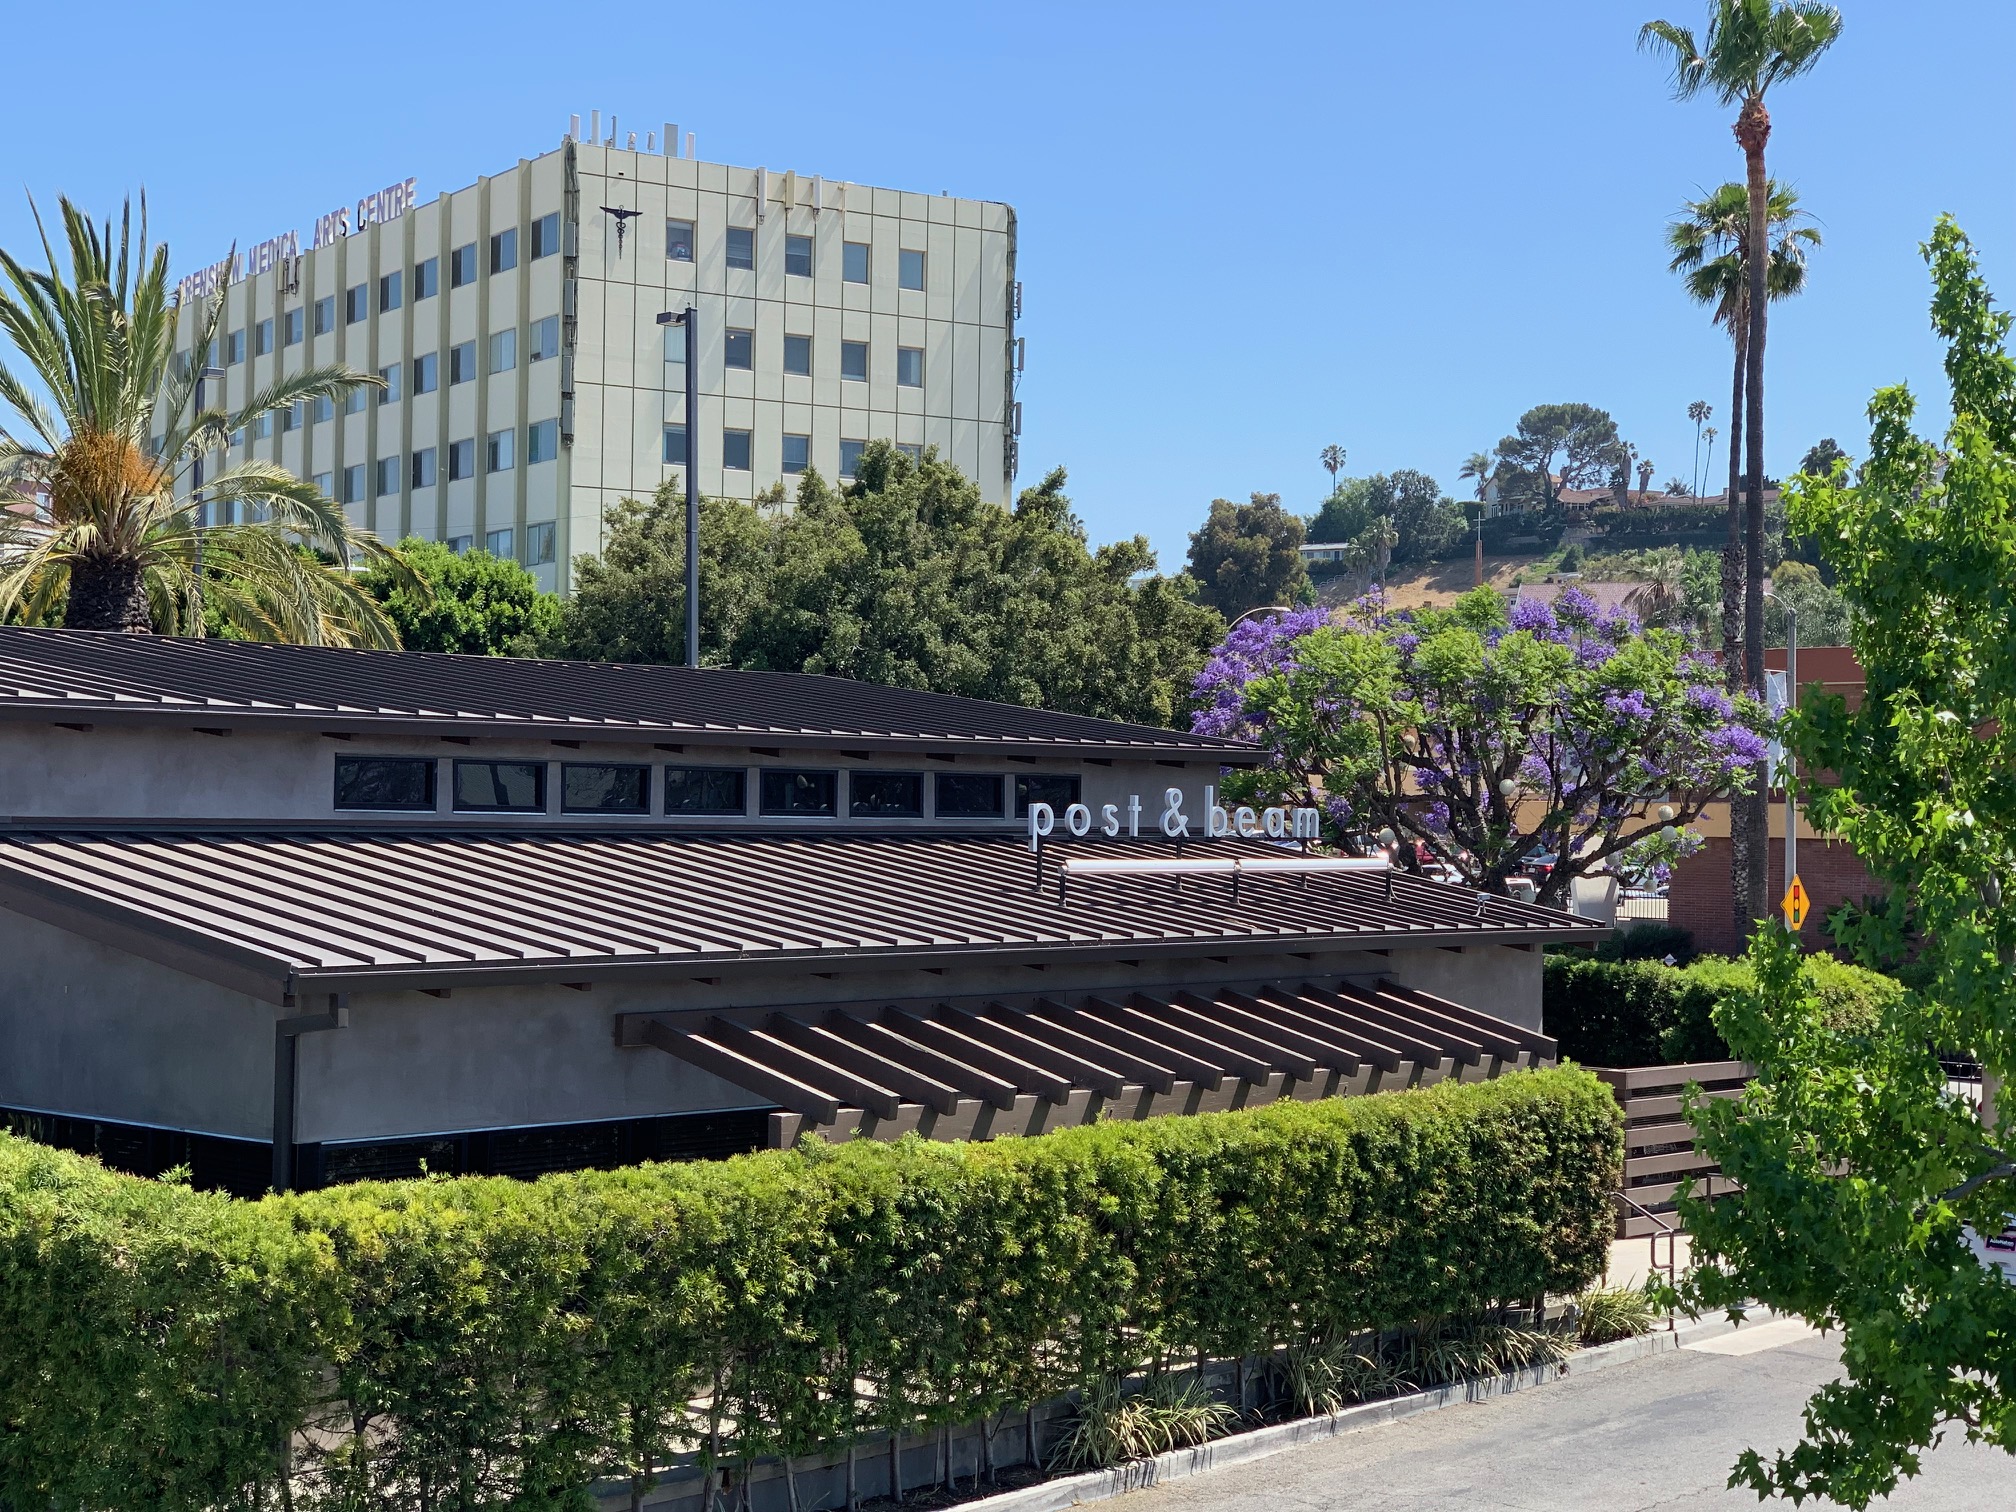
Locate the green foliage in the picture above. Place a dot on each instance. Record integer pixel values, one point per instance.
(908, 578)
(1605, 1314)
(1111, 1426)
(473, 604)
(1861, 1175)
(1648, 940)
(1247, 556)
(486, 1343)
(1426, 524)
(1557, 446)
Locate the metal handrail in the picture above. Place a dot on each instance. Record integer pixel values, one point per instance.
(1663, 1229)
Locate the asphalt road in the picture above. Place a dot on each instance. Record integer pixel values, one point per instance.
(1660, 1432)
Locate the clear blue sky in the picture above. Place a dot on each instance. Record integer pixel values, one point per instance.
(1245, 231)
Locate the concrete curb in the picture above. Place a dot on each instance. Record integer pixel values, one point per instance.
(1261, 1443)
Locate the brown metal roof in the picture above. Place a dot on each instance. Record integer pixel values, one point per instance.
(278, 912)
(83, 677)
(822, 1063)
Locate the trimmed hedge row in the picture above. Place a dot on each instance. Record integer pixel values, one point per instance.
(486, 1343)
(1643, 1013)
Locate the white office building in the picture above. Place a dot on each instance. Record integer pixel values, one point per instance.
(529, 380)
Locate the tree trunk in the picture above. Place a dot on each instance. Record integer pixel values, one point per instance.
(108, 593)
(1742, 844)
(1753, 130)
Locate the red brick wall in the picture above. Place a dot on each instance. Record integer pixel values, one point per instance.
(1698, 898)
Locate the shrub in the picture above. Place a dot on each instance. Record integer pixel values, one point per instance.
(1648, 940)
(487, 1342)
(1169, 1412)
(1605, 1314)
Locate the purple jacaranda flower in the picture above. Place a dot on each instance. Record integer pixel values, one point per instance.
(1532, 614)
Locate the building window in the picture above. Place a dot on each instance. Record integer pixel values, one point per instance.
(262, 337)
(321, 408)
(542, 441)
(262, 426)
(854, 262)
(500, 787)
(798, 794)
(706, 790)
(461, 460)
(460, 544)
(741, 247)
(854, 360)
(910, 269)
(738, 350)
(604, 788)
(323, 483)
(798, 256)
(354, 400)
(325, 315)
(539, 543)
(797, 453)
(546, 235)
(462, 266)
(388, 476)
(910, 367)
(850, 457)
(290, 418)
(390, 286)
(679, 240)
(426, 279)
(675, 445)
(389, 376)
(545, 339)
(914, 450)
(798, 355)
(500, 451)
(353, 483)
(967, 795)
(885, 795)
(1058, 791)
(423, 467)
(461, 363)
(503, 351)
(356, 304)
(737, 448)
(498, 543)
(234, 348)
(290, 327)
(426, 372)
(385, 782)
(504, 251)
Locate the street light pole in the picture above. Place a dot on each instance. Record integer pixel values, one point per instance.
(690, 319)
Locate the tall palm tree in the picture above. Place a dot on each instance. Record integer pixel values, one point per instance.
(1710, 246)
(1333, 460)
(122, 542)
(1645, 471)
(1479, 468)
(1698, 412)
(1750, 46)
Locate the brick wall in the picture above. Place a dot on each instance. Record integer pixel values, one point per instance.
(1698, 898)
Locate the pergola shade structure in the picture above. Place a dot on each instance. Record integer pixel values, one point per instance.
(1091, 1053)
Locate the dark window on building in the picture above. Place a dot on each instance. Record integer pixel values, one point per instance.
(910, 269)
(968, 795)
(542, 441)
(325, 315)
(738, 349)
(503, 787)
(850, 457)
(461, 362)
(675, 445)
(794, 794)
(504, 251)
(426, 372)
(604, 788)
(423, 467)
(1059, 792)
(389, 291)
(798, 355)
(545, 340)
(290, 328)
(910, 367)
(426, 278)
(385, 782)
(679, 240)
(706, 790)
(462, 266)
(356, 304)
(738, 449)
(546, 235)
(798, 256)
(854, 262)
(741, 246)
(885, 795)
(461, 460)
(854, 361)
(262, 337)
(797, 454)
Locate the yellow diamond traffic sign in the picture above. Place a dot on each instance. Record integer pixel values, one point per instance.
(1795, 905)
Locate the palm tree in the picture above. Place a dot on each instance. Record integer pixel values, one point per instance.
(1698, 412)
(1710, 246)
(1645, 470)
(1661, 589)
(1333, 459)
(1750, 46)
(123, 543)
(1479, 467)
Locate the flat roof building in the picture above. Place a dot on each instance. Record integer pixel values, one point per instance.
(305, 915)
(529, 383)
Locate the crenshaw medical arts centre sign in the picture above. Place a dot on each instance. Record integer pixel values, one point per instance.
(375, 208)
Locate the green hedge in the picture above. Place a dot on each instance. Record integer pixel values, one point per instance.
(1643, 1013)
(487, 1343)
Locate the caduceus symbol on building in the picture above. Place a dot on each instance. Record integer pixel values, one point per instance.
(623, 218)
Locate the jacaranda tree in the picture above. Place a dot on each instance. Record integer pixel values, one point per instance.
(1871, 1190)
(1485, 736)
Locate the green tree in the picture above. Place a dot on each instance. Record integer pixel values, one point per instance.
(123, 542)
(473, 604)
(1247, 556)
(1821, 457)
(1749, 47)
(1333, 462)
(1478, 469)
(1425, 522)
(1862, 1179)
(1557, 446)
(1699, 412)
(908, 578)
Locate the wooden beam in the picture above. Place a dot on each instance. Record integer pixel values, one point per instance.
(743, 1072)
